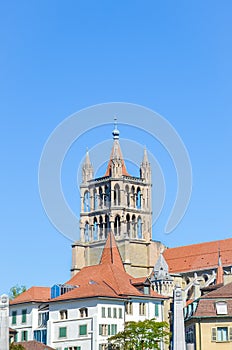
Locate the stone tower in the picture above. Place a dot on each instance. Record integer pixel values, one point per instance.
(120, 203)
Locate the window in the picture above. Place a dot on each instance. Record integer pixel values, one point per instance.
(24, 315)
(62, 332)
(221, 334)
(109, 312)
(113, 329)
(14, 316)
(146, 290)
(120, 313)
(221, 308)
(63, 314)
(86, 202)
(114, 312)
(24, 335)
(103, 346)
(156, 310)
(103, 330)
(83, 312)
(129, 308)
(83, 329)
(16, 337)
(142, 308)
(103, 312)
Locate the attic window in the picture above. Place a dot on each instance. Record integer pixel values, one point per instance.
(83, 312)
(221, 308)
(63, 314)
(146, 290)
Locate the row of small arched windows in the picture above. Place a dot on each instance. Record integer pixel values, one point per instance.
(102, 199)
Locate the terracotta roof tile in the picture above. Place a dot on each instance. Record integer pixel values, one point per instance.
(198, 256)
(34, 345)
(39, 294)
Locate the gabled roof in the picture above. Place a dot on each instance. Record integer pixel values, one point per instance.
(108, 279)
(36, 294)
(200, 256)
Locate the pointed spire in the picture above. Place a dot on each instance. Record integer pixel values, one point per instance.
(110, 253)
(116, 155)
(145, 157)
(87, 168)
(220, 273)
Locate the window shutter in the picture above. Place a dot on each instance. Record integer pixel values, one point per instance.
(108, 330)
(100, 329)
(214, 334)
(230, 334)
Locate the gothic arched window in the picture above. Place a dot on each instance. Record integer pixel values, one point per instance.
(139, 228)
(128, 224)
(95, 229)
(127, 196)
(138, 198)
(86, 232)
(107, 195)
(133, 226)
(100, 197)
(101, 227)
(133, 196)
(107, 225)
(95, 199)
(116, 195)
(86, 201)
(117, 225)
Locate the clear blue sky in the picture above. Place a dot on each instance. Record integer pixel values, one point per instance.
(59, 57)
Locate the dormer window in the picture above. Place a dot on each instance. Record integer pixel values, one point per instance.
(63, 314)
(221, 308)
(83, 312)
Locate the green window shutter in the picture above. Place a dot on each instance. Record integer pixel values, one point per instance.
(108, 330)
(24, 316)
(100, 329)
(103, 312)
(83, 329)
(156, 310)
(114, 312)
(214, 334)
(14, 317)
(109, 312)
(26, 335)
(113, 329)
(62, 332)
(120, 313)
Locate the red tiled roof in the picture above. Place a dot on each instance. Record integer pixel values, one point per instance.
(34, 345)
(116, 148)
(198, 256)
(37, 294)
(223, 292)
(108, 279)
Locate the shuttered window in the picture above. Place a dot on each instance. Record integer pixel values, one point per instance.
(214, 334)
(62, 332)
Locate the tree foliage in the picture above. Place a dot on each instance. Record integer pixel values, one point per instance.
(14, 346)
(16, 290)
(141, 335)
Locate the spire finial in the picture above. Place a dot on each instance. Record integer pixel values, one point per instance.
(115, 132)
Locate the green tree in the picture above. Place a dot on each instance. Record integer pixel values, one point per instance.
(141, 335)
(14, 346)
(16, 291)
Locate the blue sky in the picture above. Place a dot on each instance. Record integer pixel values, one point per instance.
(57, 57)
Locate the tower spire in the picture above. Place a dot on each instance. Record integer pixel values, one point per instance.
(87, 168)
(115, 132)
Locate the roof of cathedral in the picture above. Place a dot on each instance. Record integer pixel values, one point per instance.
(108, 279)
(36, 294)
(200, 256)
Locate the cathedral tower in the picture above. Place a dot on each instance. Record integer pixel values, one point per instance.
(120, 203)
